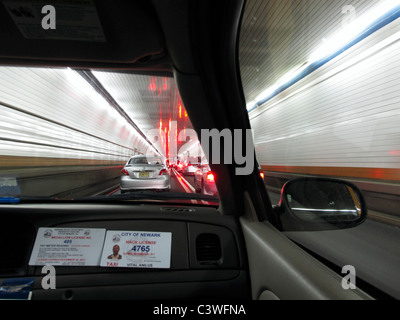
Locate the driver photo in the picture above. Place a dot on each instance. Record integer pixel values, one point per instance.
(115, 255)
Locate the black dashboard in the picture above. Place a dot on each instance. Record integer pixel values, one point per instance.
(207, 257)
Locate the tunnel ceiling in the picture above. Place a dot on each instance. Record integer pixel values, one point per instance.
(152, 102)
(279, 36)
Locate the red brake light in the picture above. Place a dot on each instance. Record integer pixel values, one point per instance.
(125, 172)
(163, 172)
(210, 176)
(262, 175)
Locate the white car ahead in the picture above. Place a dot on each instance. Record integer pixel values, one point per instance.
(145, 173)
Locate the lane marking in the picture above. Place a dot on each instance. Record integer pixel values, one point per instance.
(182, 181)
(191, 187)
(185, 181)
(114, 191)
(185, 184)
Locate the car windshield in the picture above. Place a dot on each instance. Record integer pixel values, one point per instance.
(322, 89)
(72, 134)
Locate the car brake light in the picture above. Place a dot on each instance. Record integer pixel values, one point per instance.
(163, 172)
(262, 175)
(125, 172)
(210, 177)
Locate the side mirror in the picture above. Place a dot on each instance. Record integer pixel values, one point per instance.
(316, 204)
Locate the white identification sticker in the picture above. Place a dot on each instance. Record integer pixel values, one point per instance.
(137, 249)
(67, 247)
(73, 20)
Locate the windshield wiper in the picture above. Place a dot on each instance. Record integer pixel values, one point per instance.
(146, 195)
(9, 200)
(135, 196)
(26, 199)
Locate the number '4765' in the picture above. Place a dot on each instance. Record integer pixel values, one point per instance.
(141, 248)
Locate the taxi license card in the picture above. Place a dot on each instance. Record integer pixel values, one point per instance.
(67, 247)
(137, 249)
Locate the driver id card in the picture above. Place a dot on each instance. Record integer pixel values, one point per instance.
(137, 249)
(67, 247)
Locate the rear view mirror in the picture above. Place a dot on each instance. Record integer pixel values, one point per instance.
(311, 204)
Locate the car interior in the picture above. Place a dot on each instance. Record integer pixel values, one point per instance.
(233, 250)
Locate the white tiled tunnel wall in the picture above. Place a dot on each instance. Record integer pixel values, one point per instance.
(345, 114)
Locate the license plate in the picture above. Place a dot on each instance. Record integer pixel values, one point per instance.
(143, 174)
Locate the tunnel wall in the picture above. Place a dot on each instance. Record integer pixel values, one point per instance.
(55, 113)
(58, 136)
(342, 119)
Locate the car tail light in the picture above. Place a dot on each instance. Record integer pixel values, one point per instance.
(210, 177)
(262, 175)
(163, 172)
(124, 172)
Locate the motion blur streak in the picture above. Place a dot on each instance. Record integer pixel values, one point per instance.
(339, 121)
(71, 120)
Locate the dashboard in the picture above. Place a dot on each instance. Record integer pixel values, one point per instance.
(207, 256)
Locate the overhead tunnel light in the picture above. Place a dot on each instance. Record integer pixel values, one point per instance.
(373, 20)
(271, 91)
(353, 30)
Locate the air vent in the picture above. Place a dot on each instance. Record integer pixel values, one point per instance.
(208, 248)
(177, 209)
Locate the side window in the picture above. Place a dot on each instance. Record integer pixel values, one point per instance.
(321, 82)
